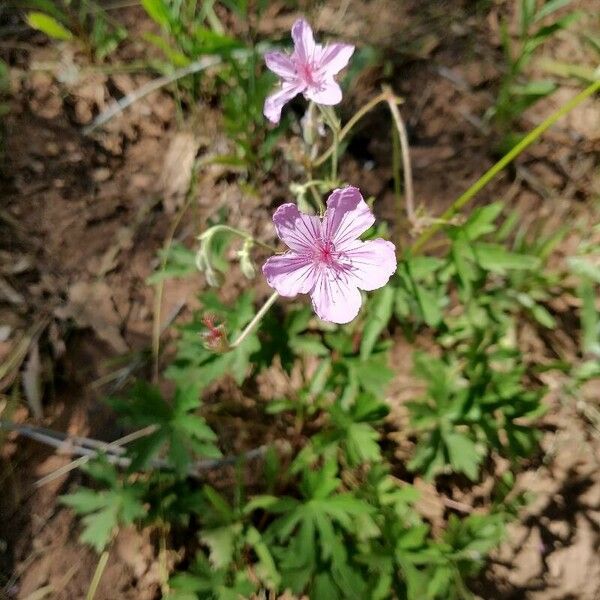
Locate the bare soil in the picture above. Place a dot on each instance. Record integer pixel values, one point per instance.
(82, 218)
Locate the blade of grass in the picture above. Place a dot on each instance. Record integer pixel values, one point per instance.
(97, 576)
(529, 139)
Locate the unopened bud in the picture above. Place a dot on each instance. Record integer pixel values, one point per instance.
(215, 335)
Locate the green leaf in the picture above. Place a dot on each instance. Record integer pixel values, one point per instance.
(481, 220)
(309, 344)
(380, 312)
(549, 7)
(219, 503)
(590, 319)
(362, 444)
(266, 568)
(48, 25)
(432, 314)
(493, 257)
(145, 449)
(526, 15)
(179, 261)
(84, 501)
(542, 316)
(221, 542)
(535, 89)
(463, 454)
(99, 527)
(584, 267)
(158, 11)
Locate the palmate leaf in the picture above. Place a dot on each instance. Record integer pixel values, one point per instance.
(309, 537)
(202, 582)
(463, 454)
(104, 511)
(197, 366)
(185, 434)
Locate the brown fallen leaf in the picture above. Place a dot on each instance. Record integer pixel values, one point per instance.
(90, 305)
(177, 170)
(32, 380)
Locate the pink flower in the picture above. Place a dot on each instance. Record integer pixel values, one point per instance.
(309, 70)
(326, 259)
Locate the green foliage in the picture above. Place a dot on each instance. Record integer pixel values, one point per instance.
(191, 30)
(195, 365)
(104, 511)
(175, 426)
(85, 21)
(326, 518)
(516, 94)
(179, 261)
(48, 25)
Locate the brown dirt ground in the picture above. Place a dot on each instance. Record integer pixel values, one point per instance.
(82, 218)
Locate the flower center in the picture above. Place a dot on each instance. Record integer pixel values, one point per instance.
(306, 71)
(325, 253)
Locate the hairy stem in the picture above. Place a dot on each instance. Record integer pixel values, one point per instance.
(392, 102)
(345, 130)
(242, 234)
(256, 320)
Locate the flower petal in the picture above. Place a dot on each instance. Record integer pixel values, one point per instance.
(334, 58)
(334, 297)
(304, 42)
(327, 93)
(290, 273)
(370, 264)
(347, 216)
(281, 64)
(299, 231)
(275, 102)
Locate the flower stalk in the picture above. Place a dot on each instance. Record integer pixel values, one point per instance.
(255, 320)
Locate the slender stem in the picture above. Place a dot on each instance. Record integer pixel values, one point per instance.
(97, 576)
(316, 197)
(360, 113)
(243, 234)
(334, 156)
(113, 450)
(256, 320)
(392, 102)
(531, 137)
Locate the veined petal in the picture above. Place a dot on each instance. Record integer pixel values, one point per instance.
(347, 217)
(334, 297)
(275, 102)
(299, 231)
(304, 41)
(281, 64)
(328, 93)
(370, 264)
(290, 274)
(334, 58)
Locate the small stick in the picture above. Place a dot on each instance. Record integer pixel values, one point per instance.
(114, 449)
(118, 107)
(97, 576)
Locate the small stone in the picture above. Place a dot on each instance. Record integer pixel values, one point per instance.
(100, 175)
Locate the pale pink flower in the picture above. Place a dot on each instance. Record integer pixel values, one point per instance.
(309, 70)
(326, 259)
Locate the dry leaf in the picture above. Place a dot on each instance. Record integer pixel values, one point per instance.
(177, 170)
(90, 305)
(32, 381)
